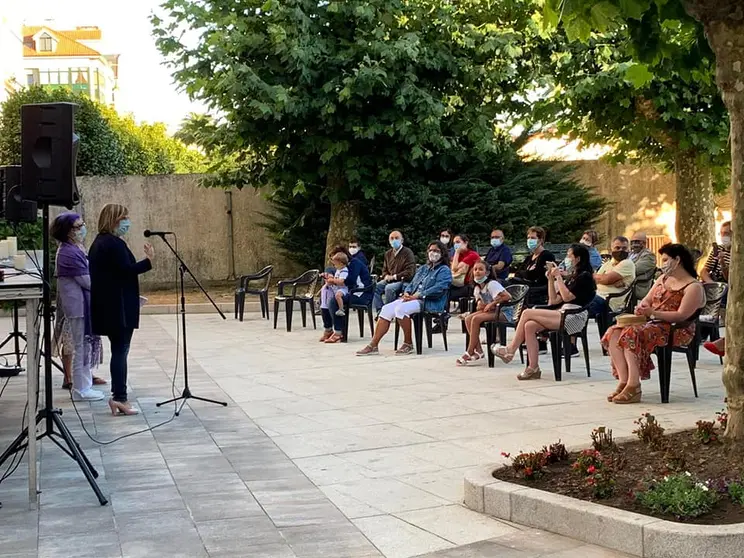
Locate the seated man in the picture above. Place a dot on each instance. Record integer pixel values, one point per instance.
(499, 256)
(645, 264)
(717, 265)
(615, 275)
(398, 268)
(355, 249)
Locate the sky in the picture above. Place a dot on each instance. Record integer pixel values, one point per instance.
(145, 85)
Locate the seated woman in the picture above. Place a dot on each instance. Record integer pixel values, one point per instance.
(675, 297)
(427, 291)
(489, 293)
(577, 290)
(590, 239)
(533, 271)
(462, 268)
(357, 277)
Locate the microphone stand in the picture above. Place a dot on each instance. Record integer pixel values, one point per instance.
(186, 393)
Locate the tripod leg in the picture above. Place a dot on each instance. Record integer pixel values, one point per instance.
(169, 401)
(15, 446)
(223, 403)
(80, 457)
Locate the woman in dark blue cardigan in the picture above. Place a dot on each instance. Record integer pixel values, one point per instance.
(114, 296)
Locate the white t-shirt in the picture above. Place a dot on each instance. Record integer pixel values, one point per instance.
(488, 292)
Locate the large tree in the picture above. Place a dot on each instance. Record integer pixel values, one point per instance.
(345, 97)
(673, 116)
(723, 23)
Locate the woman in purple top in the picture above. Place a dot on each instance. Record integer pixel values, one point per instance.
(73, 303)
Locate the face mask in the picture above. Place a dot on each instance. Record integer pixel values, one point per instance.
(669, 267)
(434, 256)
(353, 251)
(725, 241)
(80, 234)
(457, 245)
(532, 244)
(444, 240)
(585, 242)
(620, 255)
(480, 280)
(496, 242)
(123, 227)
(396, 243)
(568, 264)
(636, 246)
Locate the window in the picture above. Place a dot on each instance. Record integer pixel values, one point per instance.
(64, 77)
(32, 77)
(45, 43)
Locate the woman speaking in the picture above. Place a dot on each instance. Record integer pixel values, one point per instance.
(115, 301)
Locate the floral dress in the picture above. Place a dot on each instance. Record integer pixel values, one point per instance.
(644, 338)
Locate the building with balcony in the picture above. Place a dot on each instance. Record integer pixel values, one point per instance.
(73, 59)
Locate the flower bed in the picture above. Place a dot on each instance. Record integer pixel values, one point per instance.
(688, 476)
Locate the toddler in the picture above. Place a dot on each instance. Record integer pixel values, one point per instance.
(340, 261)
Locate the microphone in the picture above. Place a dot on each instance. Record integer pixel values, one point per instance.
(149, 233)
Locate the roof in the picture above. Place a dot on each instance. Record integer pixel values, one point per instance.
(67, 41)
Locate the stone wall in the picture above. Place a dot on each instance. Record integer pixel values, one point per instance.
(200, 216)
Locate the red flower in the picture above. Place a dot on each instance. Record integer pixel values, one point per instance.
(591, 470)
(528, 471)
(504, 454)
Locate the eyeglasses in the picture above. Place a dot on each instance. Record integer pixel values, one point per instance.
(497, 236)
(78, 227)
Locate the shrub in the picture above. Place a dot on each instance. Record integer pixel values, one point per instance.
(588, 462)
(556, 452)
(602, 439)
(675, 460)
(735, 491)
(530, 465)
(706, 431)
(680, 495)
(649, 431)
(602, 482)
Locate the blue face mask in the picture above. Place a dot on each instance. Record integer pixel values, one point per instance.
(532, 244)
(481, 280)
(457, 245)
(123, 227)
(568, 264)
(496, 242)
(396, 243)
(81, 233)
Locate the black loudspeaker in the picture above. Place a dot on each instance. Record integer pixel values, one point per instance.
(49, 148)
(16, 210)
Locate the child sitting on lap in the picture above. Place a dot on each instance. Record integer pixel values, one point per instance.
(340, 261)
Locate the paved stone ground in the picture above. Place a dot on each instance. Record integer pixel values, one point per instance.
(319, 454)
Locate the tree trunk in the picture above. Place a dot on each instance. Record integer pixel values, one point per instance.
(343, 225)
(696, 214)
(724, 28)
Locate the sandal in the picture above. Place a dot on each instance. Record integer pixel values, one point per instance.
(325, 336)
(67, 385)
(99, 381)
(530, 374)
(464, 359)
(405, 349)
(502, 353)
(618, 390)
(631, 394)
(477, 355)
(335, 338)
(368, 350)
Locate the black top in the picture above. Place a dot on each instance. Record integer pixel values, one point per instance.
(533, 270)
(114, 285)
(583, 287)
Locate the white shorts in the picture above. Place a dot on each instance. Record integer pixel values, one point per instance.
(400, 309)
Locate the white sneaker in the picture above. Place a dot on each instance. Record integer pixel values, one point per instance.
(87, 395)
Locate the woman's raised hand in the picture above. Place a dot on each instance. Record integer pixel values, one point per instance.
(149, 251)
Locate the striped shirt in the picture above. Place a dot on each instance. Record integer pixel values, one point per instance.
(713, 264)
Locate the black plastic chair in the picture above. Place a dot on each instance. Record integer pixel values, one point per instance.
(360, 309)
(664, 355)
(302, 291)
(606, 318)
(245, 288)
(710, 315)
(423, 320)
(559, 339)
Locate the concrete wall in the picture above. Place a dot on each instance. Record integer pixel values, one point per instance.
(200, 218)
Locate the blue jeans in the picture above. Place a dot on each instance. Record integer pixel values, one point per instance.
(390, 290)
(120, 344)
(336, 323)
(597, 306)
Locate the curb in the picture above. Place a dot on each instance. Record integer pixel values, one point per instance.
(613, 528)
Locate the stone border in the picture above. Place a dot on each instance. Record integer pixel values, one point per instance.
(624, 531)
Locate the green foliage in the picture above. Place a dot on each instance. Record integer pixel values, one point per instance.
(511, 199)
(649, 431)
(706, 431)
(110, 144)
(736, 492)
(681, 496)
(344, 100)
